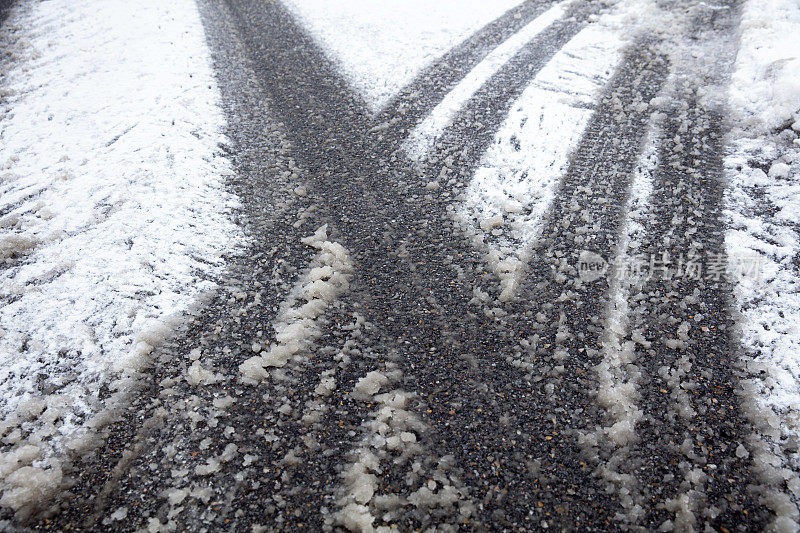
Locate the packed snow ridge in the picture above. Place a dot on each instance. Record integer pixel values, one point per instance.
(114, 216)
(297, 325)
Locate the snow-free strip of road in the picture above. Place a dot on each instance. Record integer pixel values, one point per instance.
(5, 7)
(113, 215)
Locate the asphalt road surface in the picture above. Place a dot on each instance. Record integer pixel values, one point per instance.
(416, 395)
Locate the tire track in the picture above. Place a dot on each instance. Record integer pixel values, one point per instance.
(302, 84)
(533, 474)
(429, 493)
(415, 302)
(513, 188)
(687, 350)
(475, 125)
(618, 374)
(562, 333)
(425, 134)
(399, 300)
(686, 458)
(120, 471)
(297, 325)
(432, 84)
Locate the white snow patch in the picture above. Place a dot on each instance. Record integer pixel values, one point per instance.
(762, 210)
(114, 214)
(771, 304)
(370, 384)
(198, 375)
(424, 136)
(765, 87)
(381, 45)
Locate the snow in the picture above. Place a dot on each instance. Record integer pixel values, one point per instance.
(380, 46)
(113, 228)
(370, 384)
(765, 88)
(424, 136)
(297, 325)
(517, 180)
(762, 203)
(198, 375)
(773, 237)
(114, 218)
(389, 441)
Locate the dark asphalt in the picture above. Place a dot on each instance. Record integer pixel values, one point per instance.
(5, 6)
(508, 441)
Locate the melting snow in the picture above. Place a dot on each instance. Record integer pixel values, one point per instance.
(762, 202)
(297, 324)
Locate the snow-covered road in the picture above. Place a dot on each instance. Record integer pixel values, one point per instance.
(375, 265)
(114, 220)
